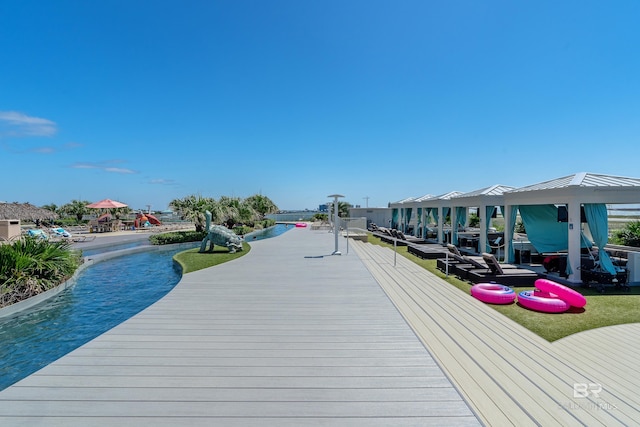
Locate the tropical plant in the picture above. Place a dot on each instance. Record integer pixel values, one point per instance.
(261, 204)
(119, 212)
(31, 266)
(77, 208)
(320, 217)
(193, 208)
(629, 235)
(177, 237)
(343, 209)
(474, 220)
(51, 207)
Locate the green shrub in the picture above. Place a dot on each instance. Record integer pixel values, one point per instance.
(474, 220)
(177, 237)
(31, 266)
(241, 230)
(629, 235)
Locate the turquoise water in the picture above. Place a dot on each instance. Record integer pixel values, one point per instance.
(105, 295)
(274, 231)
(90, 252)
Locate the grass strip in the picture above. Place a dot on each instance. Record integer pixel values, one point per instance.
(614, 307)
(191, 260)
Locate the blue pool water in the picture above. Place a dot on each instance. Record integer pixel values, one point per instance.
(105, 295)
(274, 231)
(90, 251)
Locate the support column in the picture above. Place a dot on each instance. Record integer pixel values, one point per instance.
(574, 225)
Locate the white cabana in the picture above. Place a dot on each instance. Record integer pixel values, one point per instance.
(437, 207)
(399, 212)
(574, 191)
(486, 200)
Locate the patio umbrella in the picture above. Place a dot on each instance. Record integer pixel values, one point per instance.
(106, 204)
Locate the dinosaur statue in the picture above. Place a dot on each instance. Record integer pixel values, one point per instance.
(221, 236)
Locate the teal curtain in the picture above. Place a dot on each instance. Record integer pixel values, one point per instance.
(394, 218)
(418, 228)
(445, 213)
(427, 221)
(544, 231)
(488, 213)
(434, 211)
(461, 220)
(598, 222)
(407, 215)
(511, 253)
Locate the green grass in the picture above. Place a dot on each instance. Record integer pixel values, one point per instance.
(191, 260)
(611, 308)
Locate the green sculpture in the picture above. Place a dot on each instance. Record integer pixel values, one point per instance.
(221, 236)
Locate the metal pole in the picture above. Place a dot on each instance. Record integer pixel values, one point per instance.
(336, 227)
(395, 251)
(446, 262)
(347, 223)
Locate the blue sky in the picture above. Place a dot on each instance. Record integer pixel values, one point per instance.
(148, 101)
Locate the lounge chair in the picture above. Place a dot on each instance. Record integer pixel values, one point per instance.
(410, 239)
(505, 274)
(427, 250)
(458, 264)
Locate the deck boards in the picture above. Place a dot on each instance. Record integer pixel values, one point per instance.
(271, 339)
(509, 374)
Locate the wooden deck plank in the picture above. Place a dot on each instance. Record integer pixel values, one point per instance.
(532, 372)
(272, 338)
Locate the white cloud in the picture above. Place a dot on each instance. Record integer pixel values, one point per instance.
(162, 181)
(16, 124)
(44, 150)
(117, 170)
(104, 166)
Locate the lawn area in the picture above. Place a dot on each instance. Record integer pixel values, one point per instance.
(611, 308)
(191, 260)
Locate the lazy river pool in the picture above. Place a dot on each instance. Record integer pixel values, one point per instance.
(105, 295)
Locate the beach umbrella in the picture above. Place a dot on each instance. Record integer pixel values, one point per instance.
(106, 204)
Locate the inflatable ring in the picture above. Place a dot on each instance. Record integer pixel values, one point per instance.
(574, 298)
(542, 301)
(493, 293)
(301, 224)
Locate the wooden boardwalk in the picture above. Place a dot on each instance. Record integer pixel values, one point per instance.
(284, 336)
(509, 375)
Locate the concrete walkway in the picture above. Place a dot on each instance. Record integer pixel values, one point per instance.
(284, 336)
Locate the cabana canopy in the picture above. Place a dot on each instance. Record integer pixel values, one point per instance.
(588, 190)
(486, 200)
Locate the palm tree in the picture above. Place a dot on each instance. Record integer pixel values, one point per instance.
(51, 207)
(262, 205)
(194, 207)
(343, 209)
(76, 207)
(236, 210)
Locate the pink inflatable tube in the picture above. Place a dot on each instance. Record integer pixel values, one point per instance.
(574, 298)
(493, 293)
(542, 301)
(301, 224)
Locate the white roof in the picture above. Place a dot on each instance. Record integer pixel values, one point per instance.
(583, 187)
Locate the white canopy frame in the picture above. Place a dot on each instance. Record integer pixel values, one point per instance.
(573, 190)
